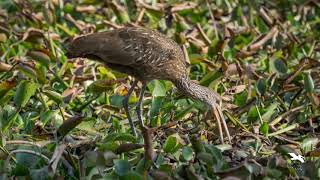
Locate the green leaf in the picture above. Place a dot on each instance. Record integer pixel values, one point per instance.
(8, 115)
(210, 77)
(28, 71)
(269, 112)
(261, 86)
(116, 100)
(285, 150)
(120, 137)
(88, 125)
(27, 159)
(101, 85)
(20, 170)
(253, 114)
(196, 144)
(25, 90)
(302, 117)
(40, 174)
(206, 157)
(45, 117)
(264, 128)
(125, 137)
(308, 82)
(241, 98)
(41, 74)
(56, 97)
(41, 57)
(121, 167)
(170, 143)
(159, 89)
(106, 73)
(309, 144)
(132, 175)
(68, 8)
(156, 105)
(278, 66)
(187, 153)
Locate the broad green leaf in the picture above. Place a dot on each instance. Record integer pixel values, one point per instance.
(106, 73)
(210, 77)
(25, 90)
(261, 86)
(187, 153)
(20, 170)
(120, 137)
(88, 126)
(277, 65)
(241, 98)
(205, 157)
(125, 137)
(27, 159)
(309, 144)
(143, 166)
(102, 85)
(269, 111)
(41, 57)
(41, 74)
(40, 174)
(132, 175)
(264, 128)
(197, 146)
(308, 82)
(253, 114)
(56, 97)
(116, 100)
(68, 8)
(159, 89)
(179, 115)
(121, 167)
(8, 115)
(28, 71)
(302, 117)
(156, 104)
(170, 144)
(285, 150)
(280, 66)
(45, 117)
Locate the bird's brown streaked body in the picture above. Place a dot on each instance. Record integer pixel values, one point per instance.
(146, 55)
(141, 53)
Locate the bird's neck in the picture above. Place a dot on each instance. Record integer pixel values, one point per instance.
(192, 89)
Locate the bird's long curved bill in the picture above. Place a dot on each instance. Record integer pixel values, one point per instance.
(217, 113)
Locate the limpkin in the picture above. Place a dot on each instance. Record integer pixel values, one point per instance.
(146, 55)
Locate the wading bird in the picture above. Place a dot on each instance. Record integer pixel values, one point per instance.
(146, 55)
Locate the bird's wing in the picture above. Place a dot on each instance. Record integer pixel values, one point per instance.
(110, 48)
(126, 46)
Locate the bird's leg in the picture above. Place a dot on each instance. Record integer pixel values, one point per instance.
(125, 103)
(139, 108)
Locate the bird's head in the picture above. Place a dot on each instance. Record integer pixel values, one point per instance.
(196, 91)
(210, 97)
